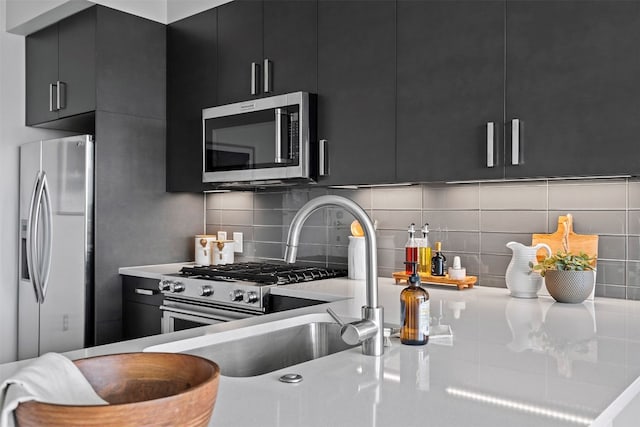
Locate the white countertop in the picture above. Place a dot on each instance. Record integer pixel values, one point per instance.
(511, 362)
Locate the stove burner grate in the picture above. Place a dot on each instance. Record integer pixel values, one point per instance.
(263, 273)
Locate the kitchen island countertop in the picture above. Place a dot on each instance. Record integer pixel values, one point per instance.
(524, 362)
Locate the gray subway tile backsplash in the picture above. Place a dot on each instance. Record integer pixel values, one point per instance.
(474, 221)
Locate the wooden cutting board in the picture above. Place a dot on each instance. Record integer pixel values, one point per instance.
(564, 235)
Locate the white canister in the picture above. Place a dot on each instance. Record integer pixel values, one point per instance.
(357, 264)
(223, 251)
(203, 248)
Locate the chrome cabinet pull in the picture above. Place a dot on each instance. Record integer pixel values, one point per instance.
(61, 92)
(268, 81)
(255, 82)
(516, 138)
(323, 158)
(141, 291)
(52, 90)
(491, 141)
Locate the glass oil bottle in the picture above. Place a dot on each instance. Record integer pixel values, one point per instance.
(424, 252)
(414, 311)
(410, 249)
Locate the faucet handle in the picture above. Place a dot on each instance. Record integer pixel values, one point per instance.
(356, 332)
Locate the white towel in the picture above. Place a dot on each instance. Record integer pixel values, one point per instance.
(51, 378)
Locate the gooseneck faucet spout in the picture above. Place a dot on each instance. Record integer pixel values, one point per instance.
(367, 331)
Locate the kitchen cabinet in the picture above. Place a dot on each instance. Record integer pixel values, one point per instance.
(141, 302)
(450, 65)
(191, 86)
(572, 79)
(356, 90)
(60, 69)
(250, 33)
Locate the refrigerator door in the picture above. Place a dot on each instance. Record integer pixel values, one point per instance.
(28, 295)
(68, 165)
(55, 293)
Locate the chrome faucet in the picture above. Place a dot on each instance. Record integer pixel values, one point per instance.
(367, 331)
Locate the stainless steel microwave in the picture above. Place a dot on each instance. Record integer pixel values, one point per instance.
(262, 141)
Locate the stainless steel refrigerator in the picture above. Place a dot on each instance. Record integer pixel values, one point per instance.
(55, 297)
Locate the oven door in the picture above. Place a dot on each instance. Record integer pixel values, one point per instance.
(263, 139)
(178, 316)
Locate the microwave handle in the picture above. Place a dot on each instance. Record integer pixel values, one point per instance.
(281, 128)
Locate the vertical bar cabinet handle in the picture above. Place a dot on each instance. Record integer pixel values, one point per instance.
(52, 87)
(491, 141)
(323, 158)
(515, 141)
(255, 70)
(61, 91)
(267, 75)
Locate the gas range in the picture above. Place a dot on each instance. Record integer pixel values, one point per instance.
(240, 286)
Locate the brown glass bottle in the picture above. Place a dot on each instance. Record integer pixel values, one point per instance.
(414, 312)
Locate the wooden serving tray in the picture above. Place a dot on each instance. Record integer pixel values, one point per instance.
(467, 282)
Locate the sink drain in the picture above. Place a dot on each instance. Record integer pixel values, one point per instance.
(291, 378)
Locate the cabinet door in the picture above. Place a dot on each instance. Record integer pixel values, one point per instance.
(141, 302)
(572, 78)
(291, 44)
(450, 85)
(77, 62)
(191, 86)
(356, 90)
(239, 44)
(41, 63)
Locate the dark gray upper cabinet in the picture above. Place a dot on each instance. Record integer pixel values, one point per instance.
(356, 90)
(97, 59)
(282, 32)
(572, 79)
(60, 69)
(291, 45)
(450, 85)
(192, 78)
(239, 45)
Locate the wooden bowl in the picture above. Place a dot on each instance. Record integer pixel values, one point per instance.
(143, 389)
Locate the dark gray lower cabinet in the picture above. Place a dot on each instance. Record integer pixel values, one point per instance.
(450, 85)
(572, 78)
(356, 90)
(141, 302)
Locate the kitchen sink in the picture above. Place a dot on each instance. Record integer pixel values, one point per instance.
(267, 347)
(251, 356)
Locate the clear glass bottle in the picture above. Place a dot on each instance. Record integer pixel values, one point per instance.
(410, 249)
(424, 252)
(414, 311)
(438, 262)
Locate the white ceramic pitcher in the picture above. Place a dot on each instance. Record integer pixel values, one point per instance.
(521, 281)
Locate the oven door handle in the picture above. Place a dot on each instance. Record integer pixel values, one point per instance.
(199, 314)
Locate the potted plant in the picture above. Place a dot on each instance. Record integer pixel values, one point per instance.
(568, 277)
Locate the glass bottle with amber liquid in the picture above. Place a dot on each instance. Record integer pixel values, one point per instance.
(424, 252)
(410, 249)
(438, 262)
(414, 311)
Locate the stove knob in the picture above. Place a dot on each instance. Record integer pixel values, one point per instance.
(236, 295)
(251, 297)
(164, 285)
(176, 287)
(206, 291)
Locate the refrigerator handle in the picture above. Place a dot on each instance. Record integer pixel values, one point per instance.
(32, 231)
(47, 236)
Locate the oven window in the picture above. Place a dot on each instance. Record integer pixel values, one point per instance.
(249, 140)
(182, 324)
